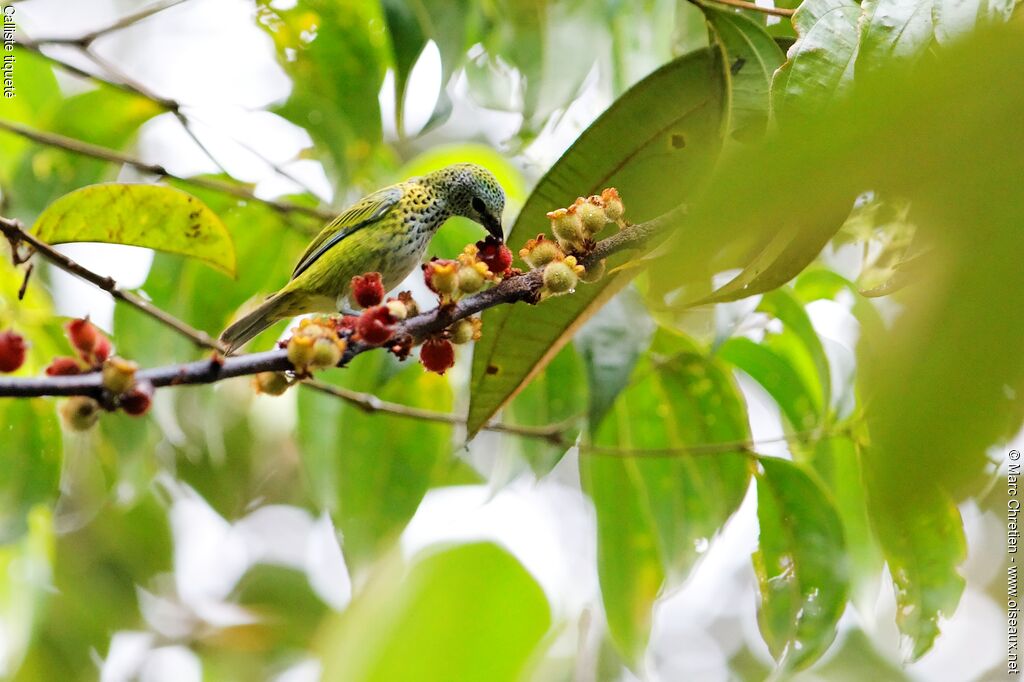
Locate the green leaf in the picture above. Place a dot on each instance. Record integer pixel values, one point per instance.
(153, 216)
(777, 376)
(610, 344)
(922, 538)
(753, 58)
(26, 569)
(665, 132)
(372, 470)
(820, 64)
(556, 395)
(470, 612)
(410, 26)
(656, 512)
(33, 454)
(335, 51)
(893, 31)
(799, 343)
(801, 564)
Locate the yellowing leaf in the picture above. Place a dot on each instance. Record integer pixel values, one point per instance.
(153, 216)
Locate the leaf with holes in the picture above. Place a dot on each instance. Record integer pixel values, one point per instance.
(153, 216)
(656, 144)
(753, 58)
(801, 564)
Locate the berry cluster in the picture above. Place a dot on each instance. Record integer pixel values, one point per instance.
(94, 354)
(561, 272)
(576, 226)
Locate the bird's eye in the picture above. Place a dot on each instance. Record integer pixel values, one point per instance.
(478, 204)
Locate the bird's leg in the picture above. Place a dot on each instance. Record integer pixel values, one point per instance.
(345, 308)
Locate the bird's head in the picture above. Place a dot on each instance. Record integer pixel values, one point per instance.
(472, 191)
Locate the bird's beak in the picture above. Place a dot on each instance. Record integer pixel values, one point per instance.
(493, 226)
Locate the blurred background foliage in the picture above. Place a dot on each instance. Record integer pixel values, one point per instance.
(773, 446)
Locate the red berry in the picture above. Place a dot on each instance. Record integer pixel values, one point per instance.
(438, 355)
(368, 289)
(12, 351)
(83, 335)
(136, 402)
(375, 325)
(101, 351)
(63, 366)
(495, 255)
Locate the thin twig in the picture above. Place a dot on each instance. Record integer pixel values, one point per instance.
(126, 84)
(14, 232)
(742, 4)
(122, 23)
(553, 433)
(97, 152)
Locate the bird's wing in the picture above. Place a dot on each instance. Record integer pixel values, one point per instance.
(366, 211)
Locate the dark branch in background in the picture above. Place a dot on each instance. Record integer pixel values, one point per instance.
(524, 287)
(123, 82)
(86, 40)
(742, 4)
(113, 156)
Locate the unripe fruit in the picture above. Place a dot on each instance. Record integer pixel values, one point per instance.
(540, 251)
(613, 208)
(592, 216)
(326, 353)
(398, 309)
(559, 278)
(437, 355)
(568, 228)
(368, 289)
(80, 413)
(470, 279)
(271, 383)
(465, 330)
(495, 255)
(137, 401)
(12, 351)
(300, 351)
(442, 276)
(374, 327)
(119, 375)
(63, 366)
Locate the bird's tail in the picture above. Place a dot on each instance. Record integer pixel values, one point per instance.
(277, 307)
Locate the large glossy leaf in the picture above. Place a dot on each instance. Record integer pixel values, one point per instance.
(753, 58)
(665, 132)
(470, 612)
(372, 470)
(953, 19)
(801, 564)
(26, 569)
(658, 505)
(819, 65)
(154, 216)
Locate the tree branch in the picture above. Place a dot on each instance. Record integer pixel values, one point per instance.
(742, 4)
(86, 40)
(525, 287)
(95, 151)
(16, 234)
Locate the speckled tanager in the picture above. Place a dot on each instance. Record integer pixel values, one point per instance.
(386, 232)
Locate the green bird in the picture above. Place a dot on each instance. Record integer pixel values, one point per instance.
(386, 232)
